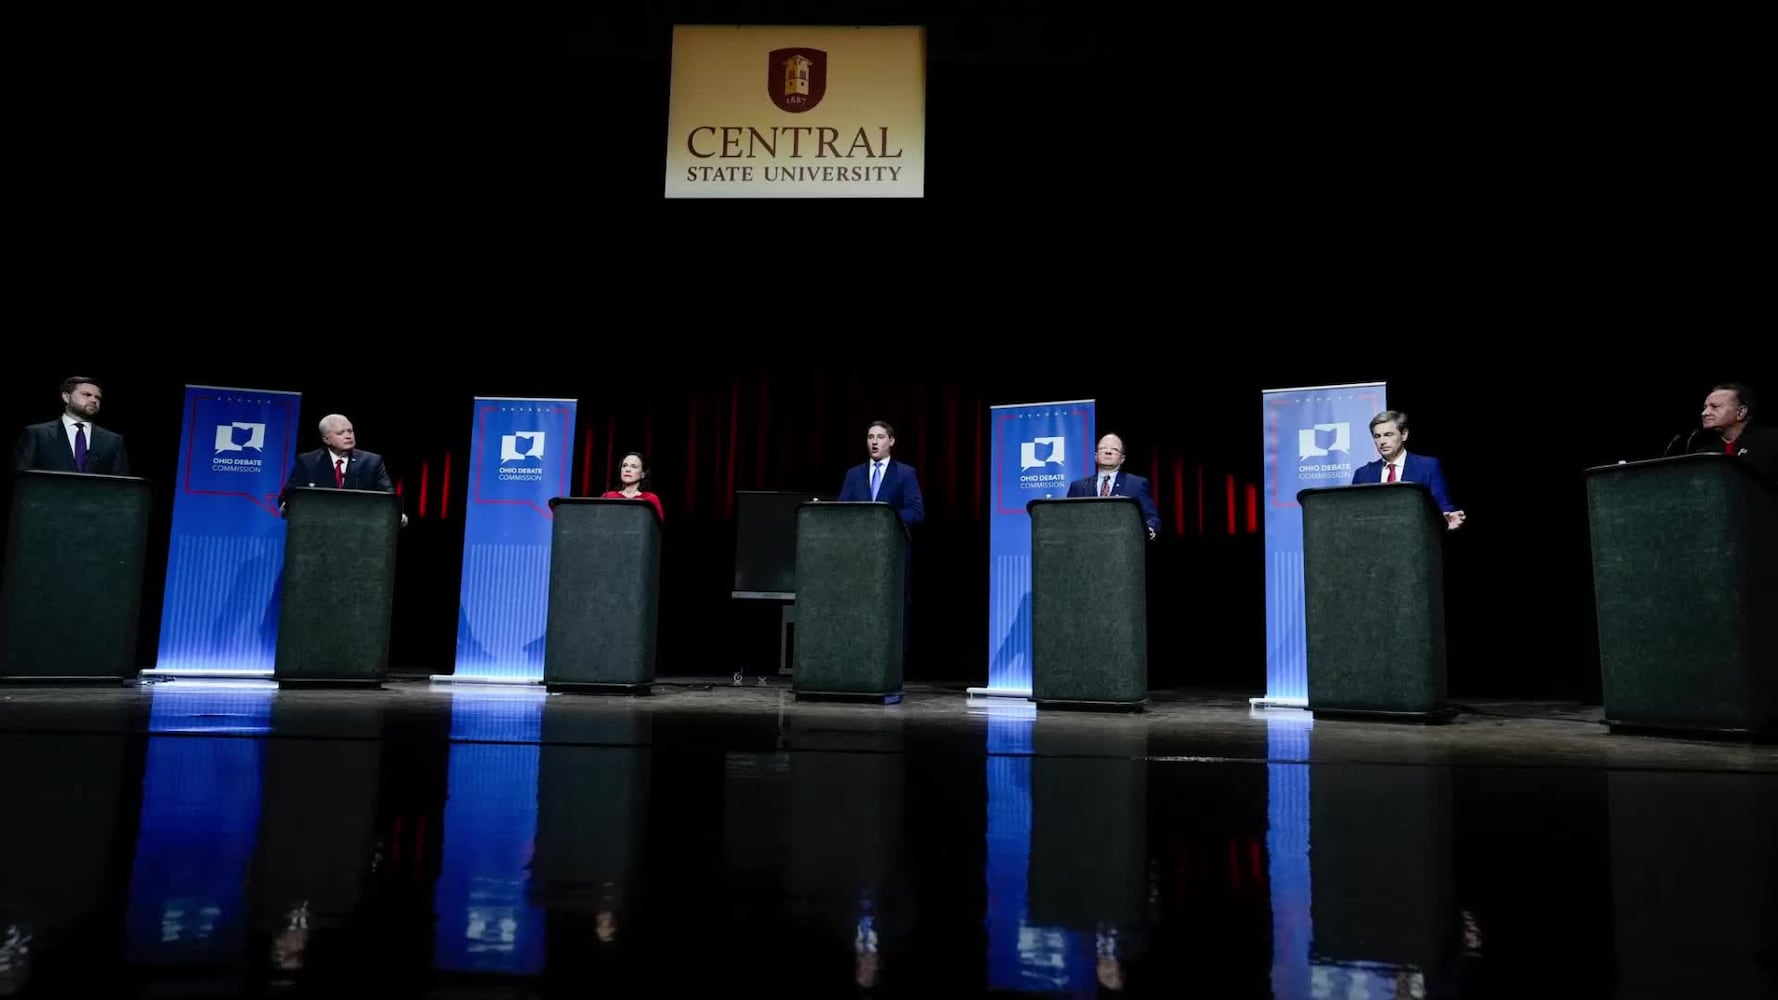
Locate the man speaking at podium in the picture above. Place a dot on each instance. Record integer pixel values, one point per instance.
(1728, 411)
(339, 464)
(1389, 431)
(1112, 481)
(883, 479)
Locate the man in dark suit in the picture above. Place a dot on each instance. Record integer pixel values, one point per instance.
(1728, 415)
(884, 479)
(339, 463)
(1389, 432)
(1112, 481)
(73, 443)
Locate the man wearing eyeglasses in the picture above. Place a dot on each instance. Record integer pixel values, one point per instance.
(1111, 481)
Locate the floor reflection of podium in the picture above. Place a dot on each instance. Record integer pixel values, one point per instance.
(317, 835)
(1089, 844)
(63, 794)
(592, 804)
(1693, 874)
(1380, 845)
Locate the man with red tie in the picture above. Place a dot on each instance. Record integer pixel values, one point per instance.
(1112, 481)
(73, 443)
(1728, 411)
(339, 463)
(1389, 431)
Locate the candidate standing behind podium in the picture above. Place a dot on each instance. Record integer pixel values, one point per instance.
(1389, 431)
(632, 477)
(883, 479)
(339, 464)
(1112, 481)
(1728, 413)
(73, 443)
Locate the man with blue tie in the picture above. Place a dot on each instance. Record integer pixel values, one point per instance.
(1389, 431)
(73, 443)
(883, 479)
(1112, 481)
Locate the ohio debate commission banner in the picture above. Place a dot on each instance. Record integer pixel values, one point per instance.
(797, 112)
(225, 558)
(520, 457)
(1314, 437)
(1038, 448)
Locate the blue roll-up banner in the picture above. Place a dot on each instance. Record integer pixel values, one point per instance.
(225, 558)
(1038, 449)
(1315, 436)
(521, 457)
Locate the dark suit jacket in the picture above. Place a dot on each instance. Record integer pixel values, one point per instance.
(364, 471)
(1757, 446)
(1125, 485)
(1417, 469)
(45, 447)
(900, 489)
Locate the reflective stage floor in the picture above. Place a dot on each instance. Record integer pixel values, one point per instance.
(226, 839)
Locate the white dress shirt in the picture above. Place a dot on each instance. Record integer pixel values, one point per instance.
(1099, 482)
(335, 458)
(68, 422)
(1401, 468)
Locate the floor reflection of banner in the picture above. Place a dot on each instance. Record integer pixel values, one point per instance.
(1313, 437)
(1021, 956)
(1038, 449)
(226, 553)
(1287, 847)
(486, 919)
(521, 458)
(199, 823)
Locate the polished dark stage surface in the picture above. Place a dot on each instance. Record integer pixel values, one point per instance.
(185, 838)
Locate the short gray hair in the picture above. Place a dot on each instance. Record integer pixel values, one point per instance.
(1396, 417)
(332, 418)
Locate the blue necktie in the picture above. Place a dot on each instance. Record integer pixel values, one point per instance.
(79, 446)
(876, 479)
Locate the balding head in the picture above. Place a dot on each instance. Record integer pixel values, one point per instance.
(1111, 452)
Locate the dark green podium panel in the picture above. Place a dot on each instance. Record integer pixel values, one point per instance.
(1089, 603)
(339, 586)
(604, 595)
(851, 575)
(1374, 602)
(72, 582)
(1685, 578)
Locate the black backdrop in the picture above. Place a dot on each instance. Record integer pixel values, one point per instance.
(1526, 221)
(1519, 585)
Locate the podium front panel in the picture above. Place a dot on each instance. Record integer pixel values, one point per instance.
(1685, 583)
(76, 547)
(851, 577)
(339, 585)
(1374, 600)
(604, 594)
(1089, 603)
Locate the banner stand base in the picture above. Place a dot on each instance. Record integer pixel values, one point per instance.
(1301, 704)
(200, 673)
(510, 682)
(1021, 693)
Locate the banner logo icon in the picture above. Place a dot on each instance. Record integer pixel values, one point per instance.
(524, 446)
(1056, 455)
(1319, 440)
(240, 436)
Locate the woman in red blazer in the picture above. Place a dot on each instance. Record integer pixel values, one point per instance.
(632, 477)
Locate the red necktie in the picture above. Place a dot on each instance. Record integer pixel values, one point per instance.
(1391, 478)
(1105, 486)
(1728, 447)
(339, 473)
